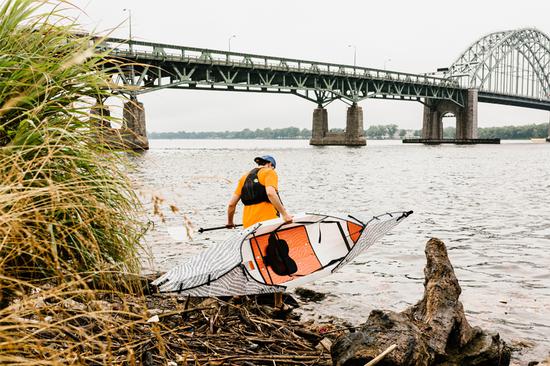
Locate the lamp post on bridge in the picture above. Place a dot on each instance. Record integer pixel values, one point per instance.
(386, 62)
(229, 42)
(354, 55)
(130, 28)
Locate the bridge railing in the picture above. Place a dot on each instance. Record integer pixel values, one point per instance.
(155, 51)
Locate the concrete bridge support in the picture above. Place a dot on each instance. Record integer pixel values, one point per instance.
(132, 135)
(135, 133)
(353, 136)
(466, 118)
(320, 126)
(100, 117)
(101, 114)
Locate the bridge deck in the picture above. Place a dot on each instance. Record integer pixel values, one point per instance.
(167, 66)
(157, 66)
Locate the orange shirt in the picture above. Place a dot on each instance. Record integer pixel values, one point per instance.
(264, 210)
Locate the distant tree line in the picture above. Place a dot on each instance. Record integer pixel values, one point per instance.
(392, 131)
(374, 132)
(515, 132)
(266, 133)
(506, 132)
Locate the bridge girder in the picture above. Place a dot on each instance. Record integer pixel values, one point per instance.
(157, 66)
(511, 63)
(320, 89)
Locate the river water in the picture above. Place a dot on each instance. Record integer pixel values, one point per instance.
(490, 204)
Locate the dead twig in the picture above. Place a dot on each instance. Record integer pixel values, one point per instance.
(381, 356)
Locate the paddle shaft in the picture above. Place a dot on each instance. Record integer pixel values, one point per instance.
(202, 230)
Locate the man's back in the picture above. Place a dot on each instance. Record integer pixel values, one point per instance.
(264, 210)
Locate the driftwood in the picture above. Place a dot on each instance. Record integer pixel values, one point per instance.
(232, 333)
(381, 356)
(155, 330)
(432, 332)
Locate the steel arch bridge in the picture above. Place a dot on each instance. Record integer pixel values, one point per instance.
(509, 67)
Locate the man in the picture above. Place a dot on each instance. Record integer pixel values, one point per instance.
(258, 190)
(259, 193)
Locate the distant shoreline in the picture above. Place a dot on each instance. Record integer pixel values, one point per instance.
(299, 139)
(234, 138)
(373, 132)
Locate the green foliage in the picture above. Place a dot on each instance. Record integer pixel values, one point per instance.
(375, 132)
(379, 132)
(449, 132)
(505, 133)
(45, 68)
(68, 215)
(515, 132)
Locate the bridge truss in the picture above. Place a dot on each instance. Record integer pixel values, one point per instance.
(510, 67)
(159, 66)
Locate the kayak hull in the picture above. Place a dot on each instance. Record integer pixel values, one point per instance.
(272, 256)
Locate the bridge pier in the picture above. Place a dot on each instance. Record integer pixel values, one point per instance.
(320, 126)
(468, 121)
(466, 118)
(132, 135)
(353, 136)
(100, 114)
(135, 133)
(100, 118)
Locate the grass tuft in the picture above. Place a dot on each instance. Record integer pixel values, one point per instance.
(65, 202)
(70, 222)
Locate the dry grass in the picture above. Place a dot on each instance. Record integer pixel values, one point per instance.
(66, 325)
(69, 219)
(65, 209)
(65, 204)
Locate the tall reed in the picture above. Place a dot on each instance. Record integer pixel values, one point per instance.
(66, 205)
(69, 220)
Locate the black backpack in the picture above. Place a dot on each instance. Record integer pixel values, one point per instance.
(277, 256)
(253, 192)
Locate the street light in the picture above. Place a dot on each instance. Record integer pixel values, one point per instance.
(354, 54)
(386, 61)
(229, 41)
(130, 26)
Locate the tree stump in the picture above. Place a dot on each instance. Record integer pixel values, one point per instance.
(432, 332)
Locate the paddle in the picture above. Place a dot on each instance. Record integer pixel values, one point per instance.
(202, 230)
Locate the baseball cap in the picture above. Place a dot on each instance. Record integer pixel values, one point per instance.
(265, 159)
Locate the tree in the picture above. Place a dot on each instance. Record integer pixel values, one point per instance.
(391, 130)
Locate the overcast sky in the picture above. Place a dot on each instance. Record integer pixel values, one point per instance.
(409, 36)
